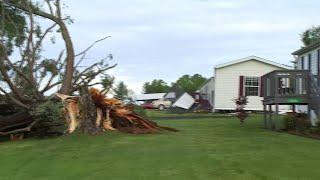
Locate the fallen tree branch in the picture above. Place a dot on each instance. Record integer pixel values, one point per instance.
(26, 129)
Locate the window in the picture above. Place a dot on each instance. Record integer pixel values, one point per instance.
(309, 61)
(251, 86)
(302, 62)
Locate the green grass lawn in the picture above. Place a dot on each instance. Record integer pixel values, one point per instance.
(208, 148)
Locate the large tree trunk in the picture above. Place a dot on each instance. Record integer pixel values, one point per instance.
(69, 70)
(88, 113)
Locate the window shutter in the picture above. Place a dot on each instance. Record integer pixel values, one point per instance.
(318, 62)
(261, 87)
(309, 62)
(241, 89)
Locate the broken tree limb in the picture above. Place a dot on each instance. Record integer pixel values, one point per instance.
(25, 129)
(99, 117)
(100, 113)
(15, 120)
(123, 118)
(71, 110)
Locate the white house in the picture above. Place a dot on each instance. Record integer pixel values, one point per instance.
(207, 91)
(242, 78)
(308, 58)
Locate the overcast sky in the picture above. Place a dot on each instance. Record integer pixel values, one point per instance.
(165, 39)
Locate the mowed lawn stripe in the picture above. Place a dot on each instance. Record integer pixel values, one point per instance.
(207, 148)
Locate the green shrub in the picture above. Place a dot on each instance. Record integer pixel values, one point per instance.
(289, 122)
(140, 111)
(297, 121)
(50, 119)
(303, 123)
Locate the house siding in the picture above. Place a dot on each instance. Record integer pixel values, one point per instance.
(314, 70)
(227, 83)
(207, 91)
(314, 61)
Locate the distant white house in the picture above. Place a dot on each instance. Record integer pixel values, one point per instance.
(242, 78)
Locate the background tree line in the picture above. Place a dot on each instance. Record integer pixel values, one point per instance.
(190, 83)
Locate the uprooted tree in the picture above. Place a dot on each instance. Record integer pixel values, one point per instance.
(29, 80)
(26, 80)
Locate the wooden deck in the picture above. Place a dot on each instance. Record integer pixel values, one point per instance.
(288, 87)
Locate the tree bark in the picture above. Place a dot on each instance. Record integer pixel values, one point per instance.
(88, 113)
(67, 81)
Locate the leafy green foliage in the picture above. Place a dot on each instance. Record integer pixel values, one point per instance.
(140, 111)
(121, 91)
(155, 86)
(50, 119)
(311, 35)
(49, 66)
(191, 83)
(296, 122)
(107, 81)
(289, 122)
(12, 26)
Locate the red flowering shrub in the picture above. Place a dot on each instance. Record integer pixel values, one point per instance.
(241, 113)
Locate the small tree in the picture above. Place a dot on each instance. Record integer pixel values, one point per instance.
(241, 113)
(191, 83)
(155, 86)
(107, 83)
(311, 35)
(121, 91)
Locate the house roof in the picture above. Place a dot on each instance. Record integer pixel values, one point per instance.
(177, 90)
(307, 48)
(256, 58)
(145, 97)
(185, 101)
(205, 83)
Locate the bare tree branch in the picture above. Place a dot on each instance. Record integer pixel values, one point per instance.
(50, 7)
(51, 86)
(91, 46)
(13, 99)
(39, 42)
(87, 79)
